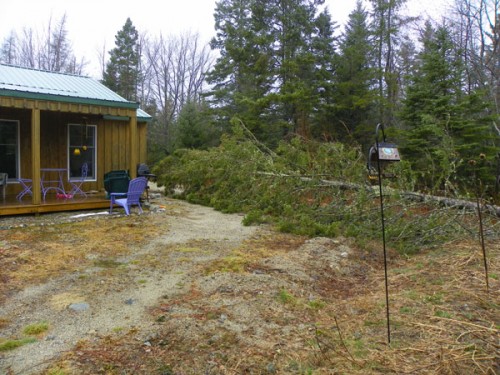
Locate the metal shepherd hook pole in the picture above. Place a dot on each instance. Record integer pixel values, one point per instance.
(385, 251)
(384, 153)
(480, 217)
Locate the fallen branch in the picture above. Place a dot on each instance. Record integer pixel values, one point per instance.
(450, 202)
(420, 197)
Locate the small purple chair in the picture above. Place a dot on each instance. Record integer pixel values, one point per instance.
(136, 188)
(76, 185)
(25, 186)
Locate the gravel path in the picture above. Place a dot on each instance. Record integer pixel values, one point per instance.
(87, 304)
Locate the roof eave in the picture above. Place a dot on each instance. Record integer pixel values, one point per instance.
(67, 99)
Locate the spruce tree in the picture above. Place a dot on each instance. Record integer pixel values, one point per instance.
(272, 66)
(445, 125)
(193, 128)
(354, 80)
(302, 41)
(122, 70)
(234, 78)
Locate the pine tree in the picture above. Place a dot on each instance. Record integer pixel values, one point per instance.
(122, 70)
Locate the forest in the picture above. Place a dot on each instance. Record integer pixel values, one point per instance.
(284, 70)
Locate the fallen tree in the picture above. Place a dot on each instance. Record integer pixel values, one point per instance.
(414, 196)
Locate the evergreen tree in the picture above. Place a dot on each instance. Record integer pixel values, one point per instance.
(324, 50)
(272, 64)
(193, 128)
(228, 77)
(302, 42)
(122, 70)
(386, 28)
(445, 125)
(354, 80)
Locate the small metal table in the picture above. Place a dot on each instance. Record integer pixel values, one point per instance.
(49, 181)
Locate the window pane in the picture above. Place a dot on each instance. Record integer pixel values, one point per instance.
(82, 140)
(76, 162)
(89, 136)
(8, 148)
(75, 135)
(8, 133)
(8, 160)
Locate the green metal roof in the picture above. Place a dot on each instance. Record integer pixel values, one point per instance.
(39, 84)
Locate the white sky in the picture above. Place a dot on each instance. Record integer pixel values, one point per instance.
(93, 24)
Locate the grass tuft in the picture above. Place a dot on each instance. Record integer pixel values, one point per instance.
(14, 344)
(36, 328)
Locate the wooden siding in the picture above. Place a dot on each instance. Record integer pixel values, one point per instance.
(115, 148)
(142, 134)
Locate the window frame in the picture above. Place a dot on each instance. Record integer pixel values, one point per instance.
(17, 149)
(70, 148)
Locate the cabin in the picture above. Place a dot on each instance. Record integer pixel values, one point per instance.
(52, 124)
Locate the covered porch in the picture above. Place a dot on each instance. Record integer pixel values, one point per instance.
(45, 127)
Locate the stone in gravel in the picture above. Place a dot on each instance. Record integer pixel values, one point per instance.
(79, 306)
(222, 318)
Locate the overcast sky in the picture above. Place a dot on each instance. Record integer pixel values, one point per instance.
(93, 24)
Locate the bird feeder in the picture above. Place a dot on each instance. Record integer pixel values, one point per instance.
(381, 155)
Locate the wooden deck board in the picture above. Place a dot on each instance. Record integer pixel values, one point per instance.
(12, 206)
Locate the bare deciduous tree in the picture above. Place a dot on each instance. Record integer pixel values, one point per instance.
(174, 74)
(479, 37)
(50, 50)
(9, 53)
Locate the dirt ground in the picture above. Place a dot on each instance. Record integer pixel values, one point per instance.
(183, 289)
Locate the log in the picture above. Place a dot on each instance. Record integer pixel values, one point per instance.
(414, 196)
(451, 202)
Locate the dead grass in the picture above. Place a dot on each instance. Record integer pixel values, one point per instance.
(442, 321)
(38, 253)
(303, 317)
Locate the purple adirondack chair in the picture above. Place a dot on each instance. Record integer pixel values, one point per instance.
(136, 188)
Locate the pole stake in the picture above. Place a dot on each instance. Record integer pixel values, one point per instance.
(480, 216)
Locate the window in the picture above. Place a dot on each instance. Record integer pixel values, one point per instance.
(82, 149)
(9, 148)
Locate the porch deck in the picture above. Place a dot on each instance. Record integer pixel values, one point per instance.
(12, 206)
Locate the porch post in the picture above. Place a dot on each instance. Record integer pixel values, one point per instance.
(35, 154)
(134, 149)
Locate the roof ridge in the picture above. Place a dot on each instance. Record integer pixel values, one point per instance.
(45, 71)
